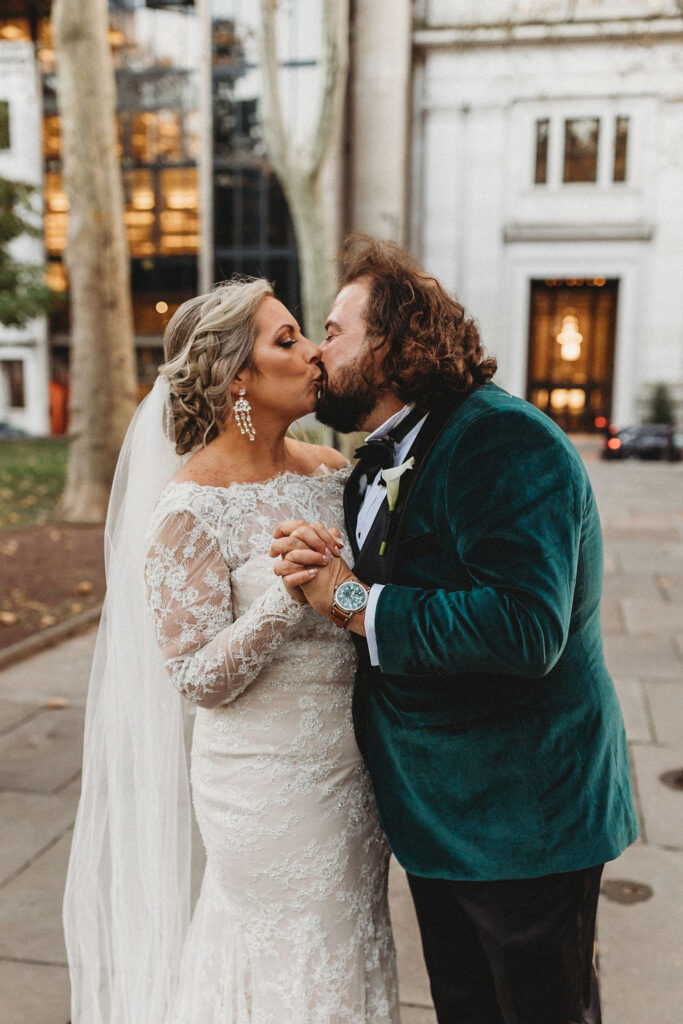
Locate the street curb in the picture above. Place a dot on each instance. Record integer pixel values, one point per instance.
(49, 637)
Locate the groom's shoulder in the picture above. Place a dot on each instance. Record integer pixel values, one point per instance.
(492, 413)
(490, 401)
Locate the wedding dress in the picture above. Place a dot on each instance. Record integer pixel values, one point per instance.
(292, 924)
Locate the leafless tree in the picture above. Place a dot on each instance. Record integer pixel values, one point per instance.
(300, 169)
(103, 379)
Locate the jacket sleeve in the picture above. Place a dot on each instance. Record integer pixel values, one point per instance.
(514, 504)
(210, 655)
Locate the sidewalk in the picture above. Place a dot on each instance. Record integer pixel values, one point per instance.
(641, 913)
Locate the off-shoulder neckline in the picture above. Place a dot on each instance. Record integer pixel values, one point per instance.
(326, 474)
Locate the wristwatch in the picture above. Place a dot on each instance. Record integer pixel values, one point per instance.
(349, 597)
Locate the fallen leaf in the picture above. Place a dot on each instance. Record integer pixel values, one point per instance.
(57, 702)
(84, 587)
(76, 607)
(664, 582)
(48, 620)
(7, 618)
(54, 534)
(10, 547)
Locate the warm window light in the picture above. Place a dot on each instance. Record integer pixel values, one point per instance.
(143, 199)
(576, 399)
(180, 199)
(569, 339)
(558, 399)
(162, 307)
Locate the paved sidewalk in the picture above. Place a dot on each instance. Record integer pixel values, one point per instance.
(641, 915)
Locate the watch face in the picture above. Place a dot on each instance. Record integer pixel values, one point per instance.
(351, 596)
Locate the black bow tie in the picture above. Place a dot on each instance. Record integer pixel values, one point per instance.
(380, 453)
(376, 455)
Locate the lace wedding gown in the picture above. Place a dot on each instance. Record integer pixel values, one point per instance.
(292, 924)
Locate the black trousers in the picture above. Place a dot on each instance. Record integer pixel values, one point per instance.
(511, 952)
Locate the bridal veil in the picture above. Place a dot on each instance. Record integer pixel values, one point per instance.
(127, 900)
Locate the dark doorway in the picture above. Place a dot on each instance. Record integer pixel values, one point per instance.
(572, 327)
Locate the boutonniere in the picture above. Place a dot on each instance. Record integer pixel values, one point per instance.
(392, 478)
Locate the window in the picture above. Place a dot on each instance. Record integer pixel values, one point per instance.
(13, 372)
(581, 149)
(56, 216)
(620, 148)
(541, 171)
(4, 125)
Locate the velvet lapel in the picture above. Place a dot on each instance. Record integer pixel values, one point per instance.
(352, 503)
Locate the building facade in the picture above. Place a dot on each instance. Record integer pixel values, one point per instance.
(24, 355)
(547, 140)
(528, 151)
(160, 51)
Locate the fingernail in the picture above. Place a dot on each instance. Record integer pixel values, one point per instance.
(326, 558)
(328, 553)
(312, 572)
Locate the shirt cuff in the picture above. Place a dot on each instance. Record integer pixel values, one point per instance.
(375, 590)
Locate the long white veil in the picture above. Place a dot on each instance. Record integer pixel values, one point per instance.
(127, 900)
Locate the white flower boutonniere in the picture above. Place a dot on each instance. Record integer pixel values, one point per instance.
(392, 478)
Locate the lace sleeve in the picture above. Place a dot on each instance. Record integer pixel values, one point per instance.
(210, 656)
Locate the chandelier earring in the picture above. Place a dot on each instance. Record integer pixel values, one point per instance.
(242, 411)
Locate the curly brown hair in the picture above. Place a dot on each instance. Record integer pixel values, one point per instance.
(433, 350)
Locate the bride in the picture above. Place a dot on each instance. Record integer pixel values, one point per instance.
(291, 925)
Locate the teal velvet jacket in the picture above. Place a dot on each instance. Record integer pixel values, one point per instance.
(492, 730)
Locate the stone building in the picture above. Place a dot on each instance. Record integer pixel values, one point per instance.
(547, 175)
(528, 151)
(24, 358)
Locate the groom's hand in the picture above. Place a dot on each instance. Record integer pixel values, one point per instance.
(317, 546)
(318, 583)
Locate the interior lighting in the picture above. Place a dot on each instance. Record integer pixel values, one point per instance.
(162, 307)
(143, 199)
(570, 339)
(558, 399)
(576, 399)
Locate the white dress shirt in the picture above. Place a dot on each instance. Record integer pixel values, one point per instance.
(372, 499)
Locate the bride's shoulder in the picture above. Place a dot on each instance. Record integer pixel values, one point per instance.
(313, 457)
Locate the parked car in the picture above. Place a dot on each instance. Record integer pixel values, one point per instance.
(652, 441)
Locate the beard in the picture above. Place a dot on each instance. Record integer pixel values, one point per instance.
(348, 398)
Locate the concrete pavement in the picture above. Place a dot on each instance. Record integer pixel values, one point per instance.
(641, 913)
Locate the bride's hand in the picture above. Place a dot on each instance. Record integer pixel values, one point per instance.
(297, 533)
(316, 546)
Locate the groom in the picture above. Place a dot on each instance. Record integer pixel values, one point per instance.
(482, 703)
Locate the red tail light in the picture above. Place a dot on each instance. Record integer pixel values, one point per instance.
(600, 422)
(614, 443)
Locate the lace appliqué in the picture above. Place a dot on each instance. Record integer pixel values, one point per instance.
(292, 923)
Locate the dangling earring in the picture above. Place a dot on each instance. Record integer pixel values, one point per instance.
(242, 411)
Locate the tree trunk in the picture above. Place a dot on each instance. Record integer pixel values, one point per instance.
(316, 249)
(300, 168)
(103, 377)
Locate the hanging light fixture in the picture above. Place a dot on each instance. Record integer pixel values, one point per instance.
(570, 339)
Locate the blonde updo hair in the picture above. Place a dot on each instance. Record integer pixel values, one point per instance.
(209, 339)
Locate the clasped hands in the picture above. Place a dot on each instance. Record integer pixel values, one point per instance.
(311, 565)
